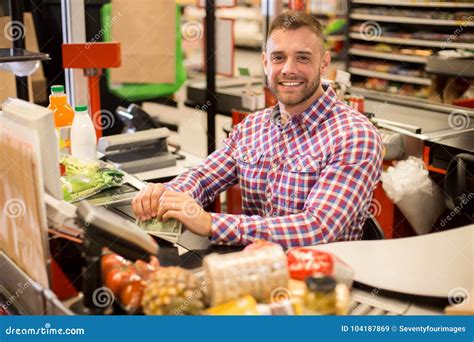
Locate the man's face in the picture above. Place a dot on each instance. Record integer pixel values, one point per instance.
(293, 62)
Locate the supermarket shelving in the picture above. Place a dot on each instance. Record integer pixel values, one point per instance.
(388, 56)
(391, 77)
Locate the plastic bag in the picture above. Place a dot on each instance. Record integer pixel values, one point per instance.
(84, 179)
(257, 272)
(410, 187)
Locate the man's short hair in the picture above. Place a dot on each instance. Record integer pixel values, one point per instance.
(293, 20)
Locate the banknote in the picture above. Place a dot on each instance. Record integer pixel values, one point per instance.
(169, 230)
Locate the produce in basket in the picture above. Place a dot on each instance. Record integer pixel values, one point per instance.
(173, 291)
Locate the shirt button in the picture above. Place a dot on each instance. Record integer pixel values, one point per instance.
(275, 214)
(245, 158)
(274, 164)
(298, 167)
(269, 194)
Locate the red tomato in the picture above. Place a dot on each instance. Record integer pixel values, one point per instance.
(143, 269)
(131, 295)
(154, 262)
(111, 261)
(117, 278)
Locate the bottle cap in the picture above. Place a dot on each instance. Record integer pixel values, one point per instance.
(81, 108)
(57, 89)
(321, 283)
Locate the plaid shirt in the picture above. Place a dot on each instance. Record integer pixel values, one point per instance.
(304, 183)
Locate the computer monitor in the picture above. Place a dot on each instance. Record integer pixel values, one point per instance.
(41, 120)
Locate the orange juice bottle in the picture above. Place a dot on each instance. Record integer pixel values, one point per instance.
(63, 116)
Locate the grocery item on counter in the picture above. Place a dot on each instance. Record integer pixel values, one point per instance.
(303, 262)
(131, 295)
(127, 280)
(83, 136)
(83, 179)
(280, 309)
(298, 290)
(173, 291)
(259, 272)
(63, 117)
(343, 299)
(246, 305)
(264, 289)
(320, 296)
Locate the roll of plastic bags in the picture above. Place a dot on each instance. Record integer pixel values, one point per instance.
(410, 187)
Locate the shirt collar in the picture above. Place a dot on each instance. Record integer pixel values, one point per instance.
(316, 113)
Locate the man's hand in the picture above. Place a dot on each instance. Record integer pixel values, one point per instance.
(145, 204)
(181, 206)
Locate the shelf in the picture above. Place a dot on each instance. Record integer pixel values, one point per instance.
(418, 42)
(389, 56)
(329, 14)
(9, 55)
(409, 20)
(380, 95)
(391, 77)
(462, 67)
(416, 4)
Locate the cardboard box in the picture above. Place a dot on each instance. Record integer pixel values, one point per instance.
(146, 30)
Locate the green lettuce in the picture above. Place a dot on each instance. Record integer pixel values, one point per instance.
(84, 179)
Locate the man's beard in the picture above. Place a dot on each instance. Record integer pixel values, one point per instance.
(305, 94)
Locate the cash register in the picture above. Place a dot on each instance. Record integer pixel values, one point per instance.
(144, 150)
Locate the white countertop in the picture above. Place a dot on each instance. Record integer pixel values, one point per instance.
(435, 265)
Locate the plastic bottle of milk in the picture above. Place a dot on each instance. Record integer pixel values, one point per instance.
(83, 137)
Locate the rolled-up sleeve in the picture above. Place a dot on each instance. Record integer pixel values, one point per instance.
(214, 175)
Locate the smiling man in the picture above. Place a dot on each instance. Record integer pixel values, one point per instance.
(307, 167)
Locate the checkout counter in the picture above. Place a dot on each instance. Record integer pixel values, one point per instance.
(417, 281)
